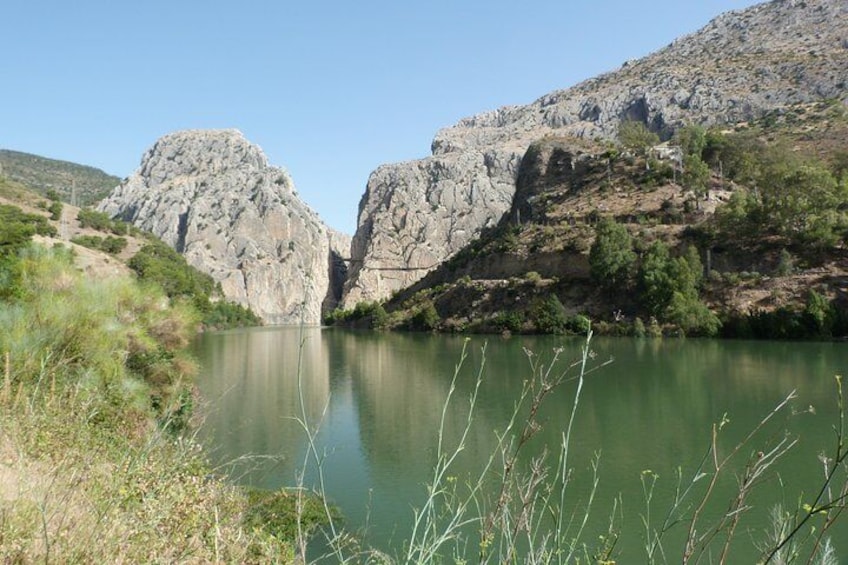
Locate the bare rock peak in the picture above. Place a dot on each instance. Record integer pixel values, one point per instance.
(212, 196)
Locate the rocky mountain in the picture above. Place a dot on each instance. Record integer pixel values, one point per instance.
(415, 215)
(71, 181)
(212, 196)
(601, 235)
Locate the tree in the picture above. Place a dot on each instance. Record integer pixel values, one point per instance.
(696, 174)
(691, 139)
(611, 257)
(691, 315)
(655, 280)
(669, 290)
(636, 136)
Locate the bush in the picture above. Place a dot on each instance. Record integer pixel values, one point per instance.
(224, 314)
(578, 324)
(110, 244)
(159, 264)
(426, 317)
(786, 264)
(55, 210)
(549, 316)
(509, 321)
(692, 316)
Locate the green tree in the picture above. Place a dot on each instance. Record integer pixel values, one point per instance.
(427, 317)
(692, 257)
(655, 281)
(691, 315)
(819, 315)
(669, 289)
(55, 210)
(696, 174)
(611, 257)
(692, 140)
(636, 136)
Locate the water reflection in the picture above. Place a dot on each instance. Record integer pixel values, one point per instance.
(379, 401)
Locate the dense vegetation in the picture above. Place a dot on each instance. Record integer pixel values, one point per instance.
(95, 401)
(157, 263)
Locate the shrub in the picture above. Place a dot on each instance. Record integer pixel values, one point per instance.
(548, 315)
(786, 264)
(819, 314)
(578, 324)
(426, 317)
(110, 244)
(533, 277)
(93, 219)
(692, 316)
(80, 430)
(509, 321)
(55, 210)
(636, 136)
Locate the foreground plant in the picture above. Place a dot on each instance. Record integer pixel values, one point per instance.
(503, 513)
(517, 509)
(799, 536)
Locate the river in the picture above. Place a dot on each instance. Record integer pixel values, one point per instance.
(647, 409)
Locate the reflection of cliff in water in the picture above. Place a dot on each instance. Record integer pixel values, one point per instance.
(251, 385)
(400, 384)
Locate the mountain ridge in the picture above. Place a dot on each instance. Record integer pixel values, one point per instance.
(69, 180)
(738, 67)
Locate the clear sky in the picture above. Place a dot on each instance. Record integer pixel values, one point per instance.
(329, 89)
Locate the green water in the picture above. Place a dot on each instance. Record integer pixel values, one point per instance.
(379, 398)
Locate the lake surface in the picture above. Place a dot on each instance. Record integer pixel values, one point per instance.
(379, 398)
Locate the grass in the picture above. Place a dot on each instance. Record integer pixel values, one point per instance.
(97, 460)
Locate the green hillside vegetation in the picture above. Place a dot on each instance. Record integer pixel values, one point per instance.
(99, 464)
(151, 260)
(739, 232)
(44, 175)
(156, 262)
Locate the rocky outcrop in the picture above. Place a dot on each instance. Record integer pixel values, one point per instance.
(212, 196)
(415, 215)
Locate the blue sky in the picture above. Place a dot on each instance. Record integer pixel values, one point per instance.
(329, 89)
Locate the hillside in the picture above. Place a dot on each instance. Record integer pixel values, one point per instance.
(103, 248)
(739, 67)
(43, 175)
(760, 234)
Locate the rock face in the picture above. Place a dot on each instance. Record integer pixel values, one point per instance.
(212, 196)
(415, 215)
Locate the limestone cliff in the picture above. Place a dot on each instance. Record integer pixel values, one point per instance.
(415, 215)
(212, 196)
